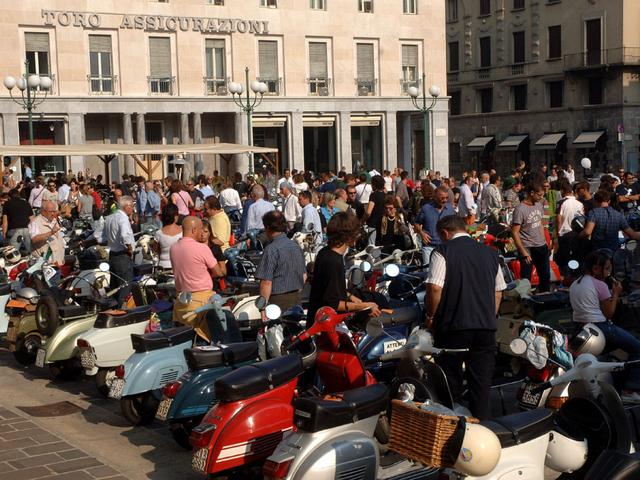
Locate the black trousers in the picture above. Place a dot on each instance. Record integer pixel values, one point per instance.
(479, 363)
(122, 266)
(539, 258)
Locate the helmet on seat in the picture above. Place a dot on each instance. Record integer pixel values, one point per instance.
(588, 340)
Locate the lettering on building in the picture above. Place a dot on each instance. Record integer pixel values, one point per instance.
(156, 23)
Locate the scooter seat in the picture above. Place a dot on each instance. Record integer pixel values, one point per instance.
(519, 428)
(316, 414)
(201, 358)
(252, 380)
(5, 289)
(69, 311)
(120, 318)
(161, 339)
(401, 316)
(142, 269)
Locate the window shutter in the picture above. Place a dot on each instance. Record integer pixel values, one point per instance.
(36, 42)
(409, 55)
(268, 59)
(364, 52)
(318, 60)
(100, 43)
(160, 57)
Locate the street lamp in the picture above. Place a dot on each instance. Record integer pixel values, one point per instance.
(29, 83)
(248, 105)
(434, 93)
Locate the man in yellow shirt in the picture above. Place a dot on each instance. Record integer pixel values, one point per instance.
(220, 223)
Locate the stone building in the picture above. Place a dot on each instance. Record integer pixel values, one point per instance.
(543, 81)
(144, 71)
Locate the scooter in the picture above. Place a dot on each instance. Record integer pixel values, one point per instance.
(254, 408)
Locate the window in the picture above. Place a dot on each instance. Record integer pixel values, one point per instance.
(519, 97)
(318, 69)
(518, 4)
(455, 104)
(410, 7)
(268, 65)
(485, 100)
(37, 53)
(485, 7)
(454, 56)
(269, 3)
(216, 66)
(100, 64)
(485, 52)
(518, 47)
(595, 91)
(555, 93)
(318, 4)
(216, 2)
(452, 10)
(366, 69)
(160, 78)
(365, 6)
(409, 66)
(555, 41)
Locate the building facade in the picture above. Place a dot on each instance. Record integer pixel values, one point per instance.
(543, 81)
(144, 71)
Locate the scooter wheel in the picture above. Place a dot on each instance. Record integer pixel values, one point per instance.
(27, 349)
(139, 409)
(66, 369)
(181, 430)
(104, 377)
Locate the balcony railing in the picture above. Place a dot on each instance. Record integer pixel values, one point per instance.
(215, 86)
(518, 69)
(405, 84)
(483, 73)
(319, 86)
(161, 85)
(594, 59)
(366, 88)
(453, 77)
(274, 85)
(102, 84)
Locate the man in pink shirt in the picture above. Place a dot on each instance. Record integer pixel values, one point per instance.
(193, 267)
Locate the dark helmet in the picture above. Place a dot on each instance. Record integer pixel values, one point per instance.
(578, 223)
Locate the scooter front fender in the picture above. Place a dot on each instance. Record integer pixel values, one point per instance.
(62, 345)
(153, 370)
(247, 314)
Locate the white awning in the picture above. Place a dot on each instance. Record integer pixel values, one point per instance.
(512, 143)
(366, 121)
(318, 121)
(479, 144)
(549, 141)
(587, 139)
(268, 122)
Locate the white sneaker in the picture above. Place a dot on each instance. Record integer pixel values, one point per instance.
(632, 397)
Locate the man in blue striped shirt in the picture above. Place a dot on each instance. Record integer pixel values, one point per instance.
(282, 270)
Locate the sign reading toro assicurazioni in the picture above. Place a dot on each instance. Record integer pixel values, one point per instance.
(156, 23)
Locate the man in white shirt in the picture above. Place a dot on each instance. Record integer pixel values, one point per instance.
(45, 233)
(63, 191)
(204, 187)
(466, 204)
(570, 206)
(230, 198)
(286, 178)
(290, 207)
(35, 197)
(257, 209)
(310, 216)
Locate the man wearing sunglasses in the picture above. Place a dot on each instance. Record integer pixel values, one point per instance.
(45, 233)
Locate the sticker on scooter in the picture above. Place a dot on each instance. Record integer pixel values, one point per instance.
(393, 345)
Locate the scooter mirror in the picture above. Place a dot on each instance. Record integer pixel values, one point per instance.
(185, 297)
(573, 265)
(374, 328)
(272, 312)
(392, 270)
(104, 267)
(518, 346)
(631, 245)
(261, 303)
(19, 239)
(356, 276)
(365, 266)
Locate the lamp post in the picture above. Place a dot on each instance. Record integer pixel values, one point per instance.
(29, 83)
(434, 93)
(248, 105)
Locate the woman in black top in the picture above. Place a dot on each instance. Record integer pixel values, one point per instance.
(328, 287)
(375, 207)
(391, 233)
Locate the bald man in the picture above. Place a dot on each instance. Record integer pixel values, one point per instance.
(45, 233)
(193, 267)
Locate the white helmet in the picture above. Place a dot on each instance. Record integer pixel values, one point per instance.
(588, 340)
(565, 454)
(11, 255)
(480, 451)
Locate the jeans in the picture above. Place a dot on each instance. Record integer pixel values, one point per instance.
(12, 238)
(539, 258)
(619, 338)
(122, 269)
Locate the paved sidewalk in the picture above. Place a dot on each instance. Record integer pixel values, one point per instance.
(27, 451)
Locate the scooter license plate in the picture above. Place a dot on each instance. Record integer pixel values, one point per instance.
(163, 409)
(199, 460)
(117, 386)
(42, 353)
(87, 359)
(528, 399)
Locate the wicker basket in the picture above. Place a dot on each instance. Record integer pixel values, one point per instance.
(423, 436)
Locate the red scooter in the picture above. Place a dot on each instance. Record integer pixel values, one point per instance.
(255, 406)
